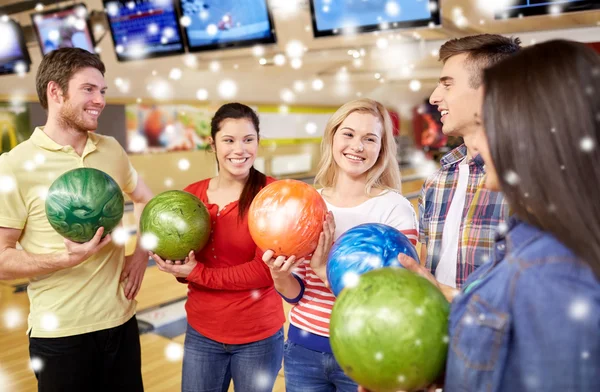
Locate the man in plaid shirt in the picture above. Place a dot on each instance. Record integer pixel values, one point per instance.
(458, 217)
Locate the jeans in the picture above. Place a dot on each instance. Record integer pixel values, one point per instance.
(106, 360)
(209, 366)
(313, 371)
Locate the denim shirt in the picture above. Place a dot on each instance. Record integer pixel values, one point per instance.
(528, 321)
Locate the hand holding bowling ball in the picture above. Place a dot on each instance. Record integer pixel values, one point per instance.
(78, 253)
(173, 223)
(363, 248)
(81, 201)
(318, 260)
(389, 332)
(287, 217)
(280, 267)
(178, 268)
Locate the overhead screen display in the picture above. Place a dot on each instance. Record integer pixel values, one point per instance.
(64, 28)
(214, 24)
(338, 17)
(518, 8)
(144, 28)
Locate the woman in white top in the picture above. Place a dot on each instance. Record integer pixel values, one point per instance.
(360, 182)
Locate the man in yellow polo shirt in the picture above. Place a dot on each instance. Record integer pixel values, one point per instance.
(82, 326)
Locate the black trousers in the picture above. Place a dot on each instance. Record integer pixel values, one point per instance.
(106, 360)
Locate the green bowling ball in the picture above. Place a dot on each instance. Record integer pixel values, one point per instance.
(82, 200)
(390, 331)
(173, 223)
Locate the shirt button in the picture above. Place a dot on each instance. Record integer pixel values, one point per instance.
(501, 246)
(213, 248)
(215, 257)
(218, 213)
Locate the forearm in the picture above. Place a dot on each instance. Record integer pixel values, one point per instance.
(247, 276)
(17, 264)
(288, 286)
(448, 291)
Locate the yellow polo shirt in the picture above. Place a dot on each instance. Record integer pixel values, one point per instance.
(87, 297)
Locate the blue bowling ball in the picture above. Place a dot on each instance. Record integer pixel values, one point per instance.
(364, 248)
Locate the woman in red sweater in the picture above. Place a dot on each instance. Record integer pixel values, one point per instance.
(235, 316)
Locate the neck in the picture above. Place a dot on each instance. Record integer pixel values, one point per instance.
(65, 135)
(226, 180)
(348, 188)
(469, 139)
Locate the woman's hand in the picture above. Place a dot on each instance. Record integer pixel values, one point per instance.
(318, 262)
(179, 269)
(281, 267)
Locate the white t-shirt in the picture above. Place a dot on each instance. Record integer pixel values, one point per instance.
(390, 208)
(446, 270)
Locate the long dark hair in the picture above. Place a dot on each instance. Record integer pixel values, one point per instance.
(256, 180)
(542, 118)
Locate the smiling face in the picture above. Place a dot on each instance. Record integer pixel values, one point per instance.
(83, 102)
(236, 146)
(356, 144)
(456, 99)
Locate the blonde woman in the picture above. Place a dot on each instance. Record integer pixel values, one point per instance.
(360, 182)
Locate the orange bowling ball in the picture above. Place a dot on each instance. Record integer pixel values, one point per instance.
(287, 217)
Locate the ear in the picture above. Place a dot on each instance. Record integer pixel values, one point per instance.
(211, 142)
(54, 92)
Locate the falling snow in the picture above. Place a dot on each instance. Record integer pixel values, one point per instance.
(511, 177)
(502, 228)
(587, 144)
(174, 352)
(227, 89)
(49, 322)
(149, 241)
(579, 309)
(262, 380)
(183, 164)
(36, 364)
(120, 236)
(7, 184)
(13, 318)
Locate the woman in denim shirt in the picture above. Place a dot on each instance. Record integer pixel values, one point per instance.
(529, 320)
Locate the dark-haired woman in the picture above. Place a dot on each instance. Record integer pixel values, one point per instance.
(235, 316)
(529, 319)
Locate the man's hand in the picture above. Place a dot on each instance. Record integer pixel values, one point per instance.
(413, 265)
(133, 271)
(78, 253)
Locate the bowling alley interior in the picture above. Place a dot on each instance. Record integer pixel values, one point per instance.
(170, 64)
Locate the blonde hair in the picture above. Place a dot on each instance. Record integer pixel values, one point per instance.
(385, 173)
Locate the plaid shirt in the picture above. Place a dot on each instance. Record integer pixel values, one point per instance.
(482, 213)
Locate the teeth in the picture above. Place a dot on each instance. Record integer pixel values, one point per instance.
(354, 157)
(444, 112)
(94, 112)
(240, 160)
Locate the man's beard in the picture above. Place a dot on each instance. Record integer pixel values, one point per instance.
(68, 118)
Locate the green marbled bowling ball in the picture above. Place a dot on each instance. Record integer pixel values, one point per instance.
(176, 222)
(82, 200)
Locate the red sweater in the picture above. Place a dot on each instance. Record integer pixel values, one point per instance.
(231, 297)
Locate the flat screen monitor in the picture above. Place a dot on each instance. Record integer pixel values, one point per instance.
(14, 57)
(330, 17)
(216, 24)
(518, 8)
(64, 28)
(144, 29)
